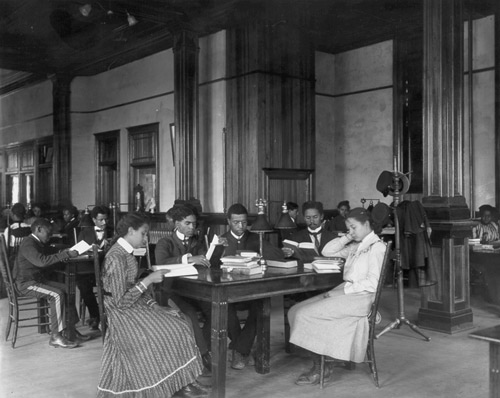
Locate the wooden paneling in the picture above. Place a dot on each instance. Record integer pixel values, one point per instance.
(270, 106)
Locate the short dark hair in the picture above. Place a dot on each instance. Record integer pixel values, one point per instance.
(312, 205)
(237, 208)
(40, 222)
(344, 203)
(180, 212)
(18, 210)
(72, 210)
(99, 210)
(291, 206)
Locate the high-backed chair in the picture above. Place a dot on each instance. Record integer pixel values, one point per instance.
(15, 237)
(100, 291)
(373, 319)
(19, 304)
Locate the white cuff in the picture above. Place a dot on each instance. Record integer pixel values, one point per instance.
(185, 258)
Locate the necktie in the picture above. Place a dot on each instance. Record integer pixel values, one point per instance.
(315, 236)
(185, 242)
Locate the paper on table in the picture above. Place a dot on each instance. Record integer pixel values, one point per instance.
(176, 270)
(81, 247)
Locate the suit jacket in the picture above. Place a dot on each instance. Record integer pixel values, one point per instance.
(88, 235)
(170, 249)
(303, 236)
(250, 241)
(32, 258)
(68, 230)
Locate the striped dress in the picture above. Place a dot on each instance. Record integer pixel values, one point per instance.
(147, 353)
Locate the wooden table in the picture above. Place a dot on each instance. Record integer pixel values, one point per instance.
(493, 336)
(221, 289)
(485, 273)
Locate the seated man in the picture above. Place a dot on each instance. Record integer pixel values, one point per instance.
(71, 221)
(239, 238)
(17, 216)
(184, 247)
(33, 258)
(315, 233)
(98, 234)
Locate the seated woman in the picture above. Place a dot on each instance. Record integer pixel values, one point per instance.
(335, 323)
(487, 229)
(149, 351)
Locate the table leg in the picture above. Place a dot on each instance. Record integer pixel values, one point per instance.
(494, 370)
(263, 337)
(219, 342)
(70, 300)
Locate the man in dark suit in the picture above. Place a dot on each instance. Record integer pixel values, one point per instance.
(33, 258)
(99, 234)
(315, 233)
(239, 238)
(71, 221)
(184, 247)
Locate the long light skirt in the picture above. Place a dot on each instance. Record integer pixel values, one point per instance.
(336, 326)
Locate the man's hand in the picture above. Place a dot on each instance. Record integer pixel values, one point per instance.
(201, 260)
(72, 253)
(287, 251)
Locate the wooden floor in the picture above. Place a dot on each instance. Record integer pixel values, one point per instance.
(447, 366)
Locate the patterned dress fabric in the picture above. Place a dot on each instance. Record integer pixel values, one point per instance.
(337, 325)
(486, 232)
(147, 353)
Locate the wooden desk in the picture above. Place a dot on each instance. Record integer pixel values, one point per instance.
(493, 336)
(485, 272)
(222, 288)
(84, 265)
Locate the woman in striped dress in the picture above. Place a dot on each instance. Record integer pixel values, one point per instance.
(335, 323)
(149, 351)
(487, 229)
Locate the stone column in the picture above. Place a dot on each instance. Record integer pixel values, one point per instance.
(186, 113)
(445, 307)
(62, 138)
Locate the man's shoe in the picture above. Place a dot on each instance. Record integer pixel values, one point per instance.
(239, 360)
(190, 391)
(59, 341)
(93, 323)
(82, 337)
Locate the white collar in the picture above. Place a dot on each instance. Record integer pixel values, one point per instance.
(98, 229)
(127, 246)
(36, 237)
(367, 241)
(236, 236)
(180, 235)
(316, 231)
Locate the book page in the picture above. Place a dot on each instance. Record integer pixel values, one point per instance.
(176, 270)
(81, 247)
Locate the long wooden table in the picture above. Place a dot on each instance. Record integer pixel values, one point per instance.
(222, 288)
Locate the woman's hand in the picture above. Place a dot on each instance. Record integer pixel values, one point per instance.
(201, 260)
(155, 277)
(158, 308)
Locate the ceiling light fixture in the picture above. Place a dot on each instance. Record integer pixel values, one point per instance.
(85, 9)
(131, 19)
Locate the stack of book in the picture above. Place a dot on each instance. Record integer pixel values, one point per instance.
(330, 265)
(240, 265)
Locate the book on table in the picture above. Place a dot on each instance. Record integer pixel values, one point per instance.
(324, 266)
(304, 251)
(241, 270)
(282, 263)
(176, 270)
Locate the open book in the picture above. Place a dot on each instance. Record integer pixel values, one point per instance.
(176, 270)
(81, 247)
(215, 252)
(305, 251)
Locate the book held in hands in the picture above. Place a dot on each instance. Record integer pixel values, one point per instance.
(305, 251)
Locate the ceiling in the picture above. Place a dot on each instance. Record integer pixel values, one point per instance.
(39, 38)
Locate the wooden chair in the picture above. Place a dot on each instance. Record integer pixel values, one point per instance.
(19, 304)
(100, 291)
(15, 237)
(373, 319)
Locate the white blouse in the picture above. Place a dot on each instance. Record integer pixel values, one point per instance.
(363, 261)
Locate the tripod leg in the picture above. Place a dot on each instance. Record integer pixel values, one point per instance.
(393, 325)
(416, 329)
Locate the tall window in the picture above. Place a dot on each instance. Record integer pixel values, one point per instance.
(143, 177)
(107, 167)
